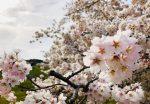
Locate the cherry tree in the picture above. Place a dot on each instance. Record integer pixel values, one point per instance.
(99, 47)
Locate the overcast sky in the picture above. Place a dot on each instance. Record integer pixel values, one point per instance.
(19, 19)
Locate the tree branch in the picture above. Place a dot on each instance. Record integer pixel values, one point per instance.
(46, 87)
(87, 85)
(34, 83)
(75, 73)
(75, 86)
(59, 76)
(27, 88)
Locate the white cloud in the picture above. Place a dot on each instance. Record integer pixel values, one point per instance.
(19, 22)
(5, 4)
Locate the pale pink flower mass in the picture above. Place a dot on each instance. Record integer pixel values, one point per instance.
(116, 55)
(14, 71)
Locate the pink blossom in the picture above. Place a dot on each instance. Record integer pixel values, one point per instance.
(5, 89)
(116, 55)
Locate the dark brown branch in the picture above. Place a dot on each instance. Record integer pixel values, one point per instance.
(53, 86)
(75, 86)
(73, 74)
(46, 87)
(59, 76)
(39, 87)
(87, 85)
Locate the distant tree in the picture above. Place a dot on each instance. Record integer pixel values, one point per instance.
(34, 62)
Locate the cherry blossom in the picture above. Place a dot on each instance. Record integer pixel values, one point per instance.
(129, 94)
(5, 89)
(43, 97)
(14, 69)
(123, 54)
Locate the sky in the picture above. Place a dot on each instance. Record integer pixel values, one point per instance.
(19, 19)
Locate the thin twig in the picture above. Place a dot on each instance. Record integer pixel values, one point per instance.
(53, 86)
(73, 74)
(86, 6)
(33, 82)
(26, 88)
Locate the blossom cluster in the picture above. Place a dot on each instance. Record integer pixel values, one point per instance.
(99, 92)
(102, 89)
(116, 55)
(43, 97)
(14, 71)
(132, 94)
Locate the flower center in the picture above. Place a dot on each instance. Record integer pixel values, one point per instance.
(96, 61)
(102, 50)
(129, 49)
(116, 44)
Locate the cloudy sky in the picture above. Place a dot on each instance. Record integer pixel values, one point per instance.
(19, 19)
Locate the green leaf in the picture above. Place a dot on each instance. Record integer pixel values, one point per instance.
(3, 101)
(110, 101)
(36, 72)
